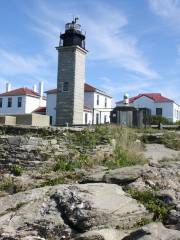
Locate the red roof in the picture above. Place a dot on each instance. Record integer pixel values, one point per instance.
(40, 110)
(20, 91)
(156, 97)
(87, 88)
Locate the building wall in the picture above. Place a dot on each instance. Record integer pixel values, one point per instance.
(101, 110)
(51, 107)
(71, 69)
(176, 112)
(29, 104)
(89, 101)
(14, 109)
(170, 110)
(32, 103)
(89, 117)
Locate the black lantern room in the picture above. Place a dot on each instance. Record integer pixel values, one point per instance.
(73, 35)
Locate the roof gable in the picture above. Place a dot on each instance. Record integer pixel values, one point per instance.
(20, 92)
(156, 97)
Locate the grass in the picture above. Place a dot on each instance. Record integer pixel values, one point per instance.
(123, 158)
(152, 203)
(16, 170)
(126, 150)
(69, 162)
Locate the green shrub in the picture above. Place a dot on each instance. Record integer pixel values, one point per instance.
(152, 203)
(16, 170)
(68, 163)
(123, 158)
(155, 120)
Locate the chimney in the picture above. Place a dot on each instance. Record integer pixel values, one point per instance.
(41, 90)
(35, 88)
(126, 99)
(8, 87)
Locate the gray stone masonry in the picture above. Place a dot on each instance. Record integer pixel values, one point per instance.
(71, 69)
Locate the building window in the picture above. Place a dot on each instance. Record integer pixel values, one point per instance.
(51, 118)
(97, 100)
(9, 102)
(19, 102)
(86, 118)
(65, 87)
(97, 118)
(1, 102)
(105, 103)
(159, 111)
(105, 119)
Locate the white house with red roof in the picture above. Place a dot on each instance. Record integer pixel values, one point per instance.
(158, 104)
(22, 101)
(97, 105)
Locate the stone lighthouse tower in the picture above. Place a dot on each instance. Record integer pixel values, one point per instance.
(71, 75)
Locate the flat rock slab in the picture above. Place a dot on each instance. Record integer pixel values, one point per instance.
(98, 205)
(154, 231)
(103, 234)
(67, 210)
(157, 152)
(124, 175)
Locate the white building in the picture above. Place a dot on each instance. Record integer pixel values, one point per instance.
(21, 101)
(97, 105)
(158, 104)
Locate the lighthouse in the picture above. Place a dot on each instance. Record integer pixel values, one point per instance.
(71, 75)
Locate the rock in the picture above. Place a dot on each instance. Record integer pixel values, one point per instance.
(124, 175)
(64, 211)
(103, 234)
(94, 177)
(168, 196)
(99, 205)
(31, 214)
(154, 231)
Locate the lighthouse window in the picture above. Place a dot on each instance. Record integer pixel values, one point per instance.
(65, 86)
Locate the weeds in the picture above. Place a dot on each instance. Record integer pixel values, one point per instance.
(152, 203)
(17, 170)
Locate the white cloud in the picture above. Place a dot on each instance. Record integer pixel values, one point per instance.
(169, 10)
(14, 64)
(107, 39)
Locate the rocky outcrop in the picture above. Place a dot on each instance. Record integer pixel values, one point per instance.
(63, 211)
(153, 231)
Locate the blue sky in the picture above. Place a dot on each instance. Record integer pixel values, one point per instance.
(134, 45)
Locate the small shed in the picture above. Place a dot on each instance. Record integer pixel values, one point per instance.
(130, 116)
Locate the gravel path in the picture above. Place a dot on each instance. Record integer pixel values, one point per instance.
(158, 152)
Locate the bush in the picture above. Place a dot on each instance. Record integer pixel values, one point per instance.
(178, 122)
(68, 163)
(152, 203)
(17, 170)
(123, 158)
(155, 120)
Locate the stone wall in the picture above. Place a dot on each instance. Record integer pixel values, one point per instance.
(29, 151)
